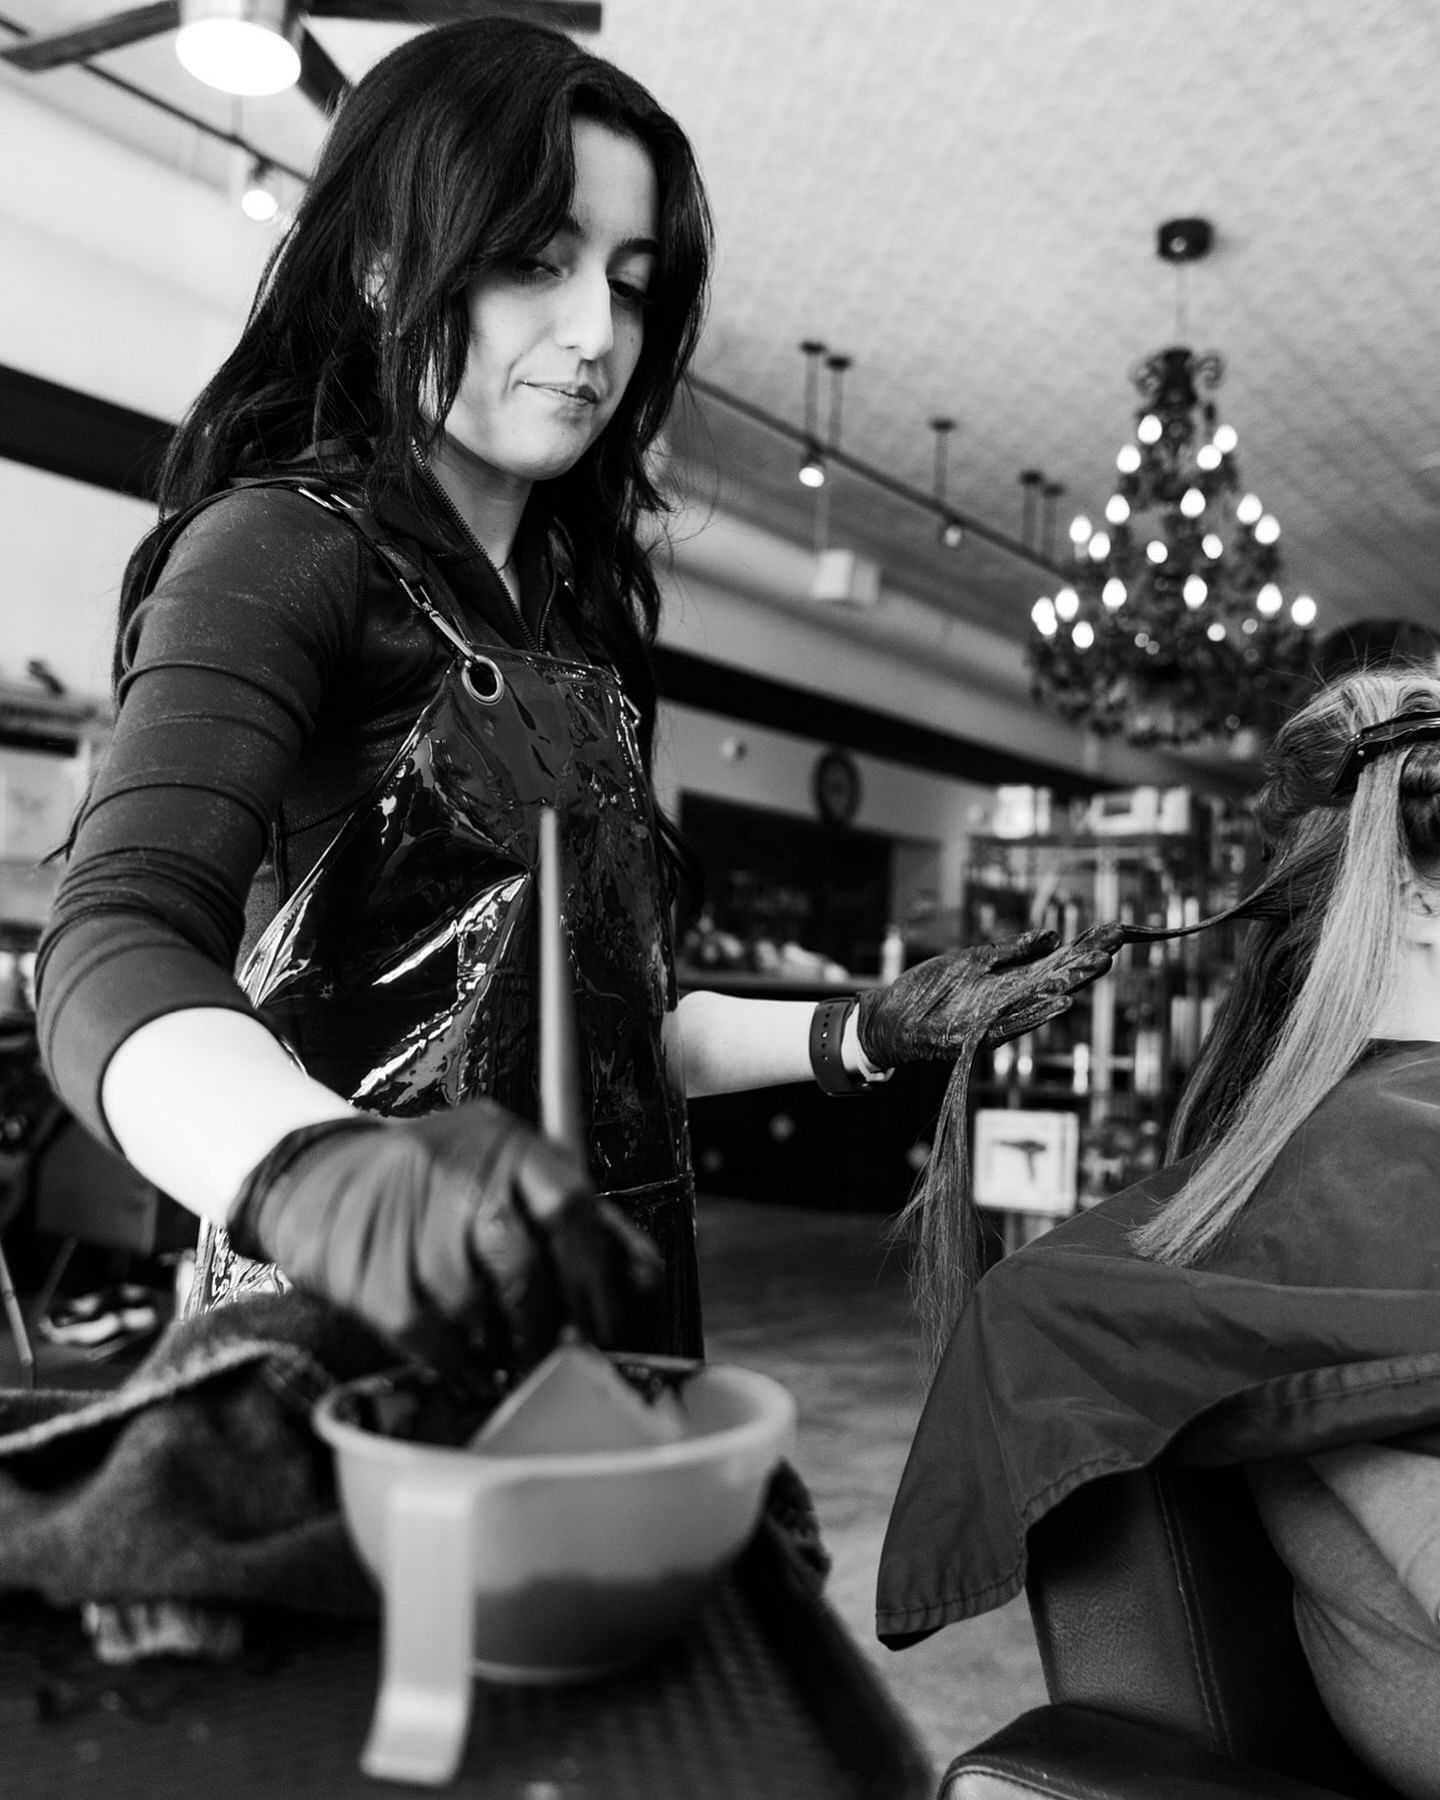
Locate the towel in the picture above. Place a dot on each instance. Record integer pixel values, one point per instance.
(198, 1480)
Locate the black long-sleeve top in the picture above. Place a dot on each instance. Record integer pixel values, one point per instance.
(269, 676)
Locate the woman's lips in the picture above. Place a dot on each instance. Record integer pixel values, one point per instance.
(576, 393)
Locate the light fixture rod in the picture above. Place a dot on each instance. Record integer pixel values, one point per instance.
(942, 429)
(837, 366)
(1051, 491)
(1030, 482)
(813, 351)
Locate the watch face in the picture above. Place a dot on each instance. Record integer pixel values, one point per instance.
(837, 787)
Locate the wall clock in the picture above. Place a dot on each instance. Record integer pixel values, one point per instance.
(836, 787)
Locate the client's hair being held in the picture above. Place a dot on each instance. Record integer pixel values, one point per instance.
(1349, 816)
(1322, 951)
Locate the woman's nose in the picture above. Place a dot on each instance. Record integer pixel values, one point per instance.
(587, 320)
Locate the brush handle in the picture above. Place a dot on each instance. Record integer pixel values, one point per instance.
(560, 1112)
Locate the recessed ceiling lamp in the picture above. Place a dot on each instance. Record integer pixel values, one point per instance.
(248, 47)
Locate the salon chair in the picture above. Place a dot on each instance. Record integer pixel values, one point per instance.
(1174, 1671)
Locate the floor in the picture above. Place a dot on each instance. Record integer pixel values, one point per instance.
(816, 1300)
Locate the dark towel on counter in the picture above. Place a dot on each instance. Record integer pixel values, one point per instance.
(200, 1478)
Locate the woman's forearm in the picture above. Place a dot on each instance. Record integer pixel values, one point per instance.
(727, 1043)
(196, 1098)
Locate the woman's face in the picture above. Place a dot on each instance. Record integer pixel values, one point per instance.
(555, 339)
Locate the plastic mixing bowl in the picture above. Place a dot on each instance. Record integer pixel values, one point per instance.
(540, 1567)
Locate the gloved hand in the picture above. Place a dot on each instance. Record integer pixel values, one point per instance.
(982, 995)
(463, 1235)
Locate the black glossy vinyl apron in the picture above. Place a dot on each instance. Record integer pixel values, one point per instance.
(402, 971)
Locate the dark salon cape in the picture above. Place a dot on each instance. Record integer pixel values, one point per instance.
(1317, 1323)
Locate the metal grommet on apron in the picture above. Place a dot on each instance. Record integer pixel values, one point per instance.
(403, 967)
(496, 682)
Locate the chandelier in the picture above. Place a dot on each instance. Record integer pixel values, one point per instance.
(1172, 623)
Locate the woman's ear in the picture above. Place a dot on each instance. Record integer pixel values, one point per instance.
(375, 287)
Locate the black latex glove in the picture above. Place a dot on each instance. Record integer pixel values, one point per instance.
(461, 1236)
(982, 995)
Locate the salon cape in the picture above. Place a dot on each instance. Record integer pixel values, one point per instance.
(1316, 1324)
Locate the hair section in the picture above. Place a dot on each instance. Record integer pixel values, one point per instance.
(1322, 953)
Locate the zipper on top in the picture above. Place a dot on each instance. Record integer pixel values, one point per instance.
(532, 640)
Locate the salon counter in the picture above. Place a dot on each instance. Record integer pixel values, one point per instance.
(766, 1696)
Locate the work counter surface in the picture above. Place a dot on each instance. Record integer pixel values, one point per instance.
(767, 1696)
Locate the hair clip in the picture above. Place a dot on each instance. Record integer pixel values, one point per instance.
(1376, 740)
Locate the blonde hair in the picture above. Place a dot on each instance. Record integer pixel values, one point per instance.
(1320, 959)
(1323, 951)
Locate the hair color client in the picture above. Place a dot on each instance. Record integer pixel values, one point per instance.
(1271, 1294)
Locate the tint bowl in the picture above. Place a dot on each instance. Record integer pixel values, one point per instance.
(538, 1568)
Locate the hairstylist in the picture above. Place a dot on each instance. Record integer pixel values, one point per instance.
(396, 605)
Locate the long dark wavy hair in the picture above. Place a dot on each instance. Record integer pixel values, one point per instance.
(1321, 953)
(453, 157)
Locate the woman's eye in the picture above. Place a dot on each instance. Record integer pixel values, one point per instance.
(533, 268)
(628, 294)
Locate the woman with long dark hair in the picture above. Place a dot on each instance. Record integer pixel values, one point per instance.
(398, 603)
(1287, 1262)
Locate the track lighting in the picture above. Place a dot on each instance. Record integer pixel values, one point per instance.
(244, 47)
(811, 472)
(950, 531)
(260, 199)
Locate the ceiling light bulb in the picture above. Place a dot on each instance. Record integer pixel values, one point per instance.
(1195, 590)
(811, 472)
(1149, 429)
(1192, 503)
(1079, 529)
(1113, 593)
(1043, 615)
(1083, 636)
(1117, 509)
(1208, 457)
(239, 46)
(1067, 603)
(1156, 551)
(1099, 546)
(1212, 545)
(952, 533)
(1215, 631)
(1249, 626)
(1269, 600)
(1128, 461)
(260, 201)
(1225, 439)
(1249, 509)
(1267, 529)
(1303, 610)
